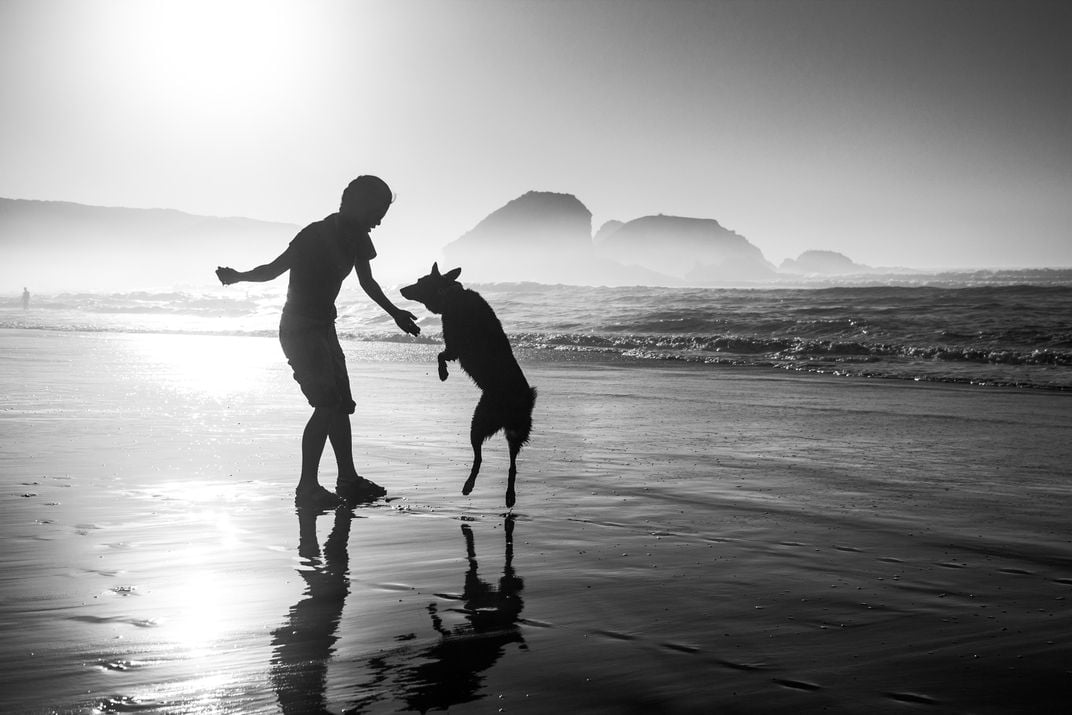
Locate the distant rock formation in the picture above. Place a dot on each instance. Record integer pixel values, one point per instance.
(540, 236)
(606, 230)
(697, 250)
(825, 263)
(538, 220)
(547, 237)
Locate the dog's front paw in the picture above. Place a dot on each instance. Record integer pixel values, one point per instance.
(443, 374)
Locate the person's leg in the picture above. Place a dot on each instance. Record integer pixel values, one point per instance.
(313, 439)
(350, 485)
(309, 347)
(342, 443)
(309, 492)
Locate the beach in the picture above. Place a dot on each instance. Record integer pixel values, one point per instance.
(688, 538)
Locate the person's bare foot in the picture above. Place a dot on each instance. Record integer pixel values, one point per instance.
(358, 489)
(315, 497)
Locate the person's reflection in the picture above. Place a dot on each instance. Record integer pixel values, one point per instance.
(303, 645)
(451, 673)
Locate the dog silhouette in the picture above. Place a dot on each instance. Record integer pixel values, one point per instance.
(473, 335)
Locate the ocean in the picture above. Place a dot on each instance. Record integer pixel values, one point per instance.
(979, 332)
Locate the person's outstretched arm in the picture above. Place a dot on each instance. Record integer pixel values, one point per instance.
(260, 274)
(403, 318)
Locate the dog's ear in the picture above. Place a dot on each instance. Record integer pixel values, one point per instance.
(435, 269)
(453, 275)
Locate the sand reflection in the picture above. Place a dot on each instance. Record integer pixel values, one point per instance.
(451, 671)
(471, 636)
(303, 645)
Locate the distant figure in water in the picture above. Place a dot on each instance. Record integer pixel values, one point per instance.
(25, 298)
(319, 258)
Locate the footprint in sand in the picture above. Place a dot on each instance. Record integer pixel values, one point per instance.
(797, 684)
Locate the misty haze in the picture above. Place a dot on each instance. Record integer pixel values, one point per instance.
(542, 237)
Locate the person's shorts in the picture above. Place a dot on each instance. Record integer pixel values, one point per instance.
(313, 351)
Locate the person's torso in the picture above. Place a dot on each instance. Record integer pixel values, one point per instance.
(321, 258)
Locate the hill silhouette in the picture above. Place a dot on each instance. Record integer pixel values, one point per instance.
(59, 245)
(698, 250)
(547, 237)
(541, 236)
(827, 263)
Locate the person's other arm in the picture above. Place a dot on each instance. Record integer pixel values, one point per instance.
(260, 274)
(372, 289)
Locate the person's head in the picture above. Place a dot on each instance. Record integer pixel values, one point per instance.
(365, 201)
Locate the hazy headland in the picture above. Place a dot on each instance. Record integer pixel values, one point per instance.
(543, 237)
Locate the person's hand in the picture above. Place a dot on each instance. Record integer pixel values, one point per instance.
(226, 275)
(405, 320)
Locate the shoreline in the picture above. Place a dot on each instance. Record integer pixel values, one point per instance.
(685, 538)
(397, 348)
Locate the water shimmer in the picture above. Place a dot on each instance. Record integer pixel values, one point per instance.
(985, 334)
(689, 538)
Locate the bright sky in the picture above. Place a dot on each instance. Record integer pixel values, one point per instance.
(924, 134)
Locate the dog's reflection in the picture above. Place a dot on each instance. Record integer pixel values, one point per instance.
(303, 645)
(450, 672)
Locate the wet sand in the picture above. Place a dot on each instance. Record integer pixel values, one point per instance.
(687, 539)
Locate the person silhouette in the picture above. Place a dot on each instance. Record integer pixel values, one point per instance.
(25, 298)
(319, 259)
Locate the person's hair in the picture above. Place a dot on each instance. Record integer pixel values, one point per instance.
(366, 187)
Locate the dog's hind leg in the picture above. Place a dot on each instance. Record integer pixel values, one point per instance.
(517, 432)
(515, 443)
(484, 425)
(471, 481)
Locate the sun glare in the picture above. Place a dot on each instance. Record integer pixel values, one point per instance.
(204, 600)
(218, 366)
(203, 620)
(212, 57)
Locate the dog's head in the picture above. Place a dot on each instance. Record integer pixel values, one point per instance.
(432, 288)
